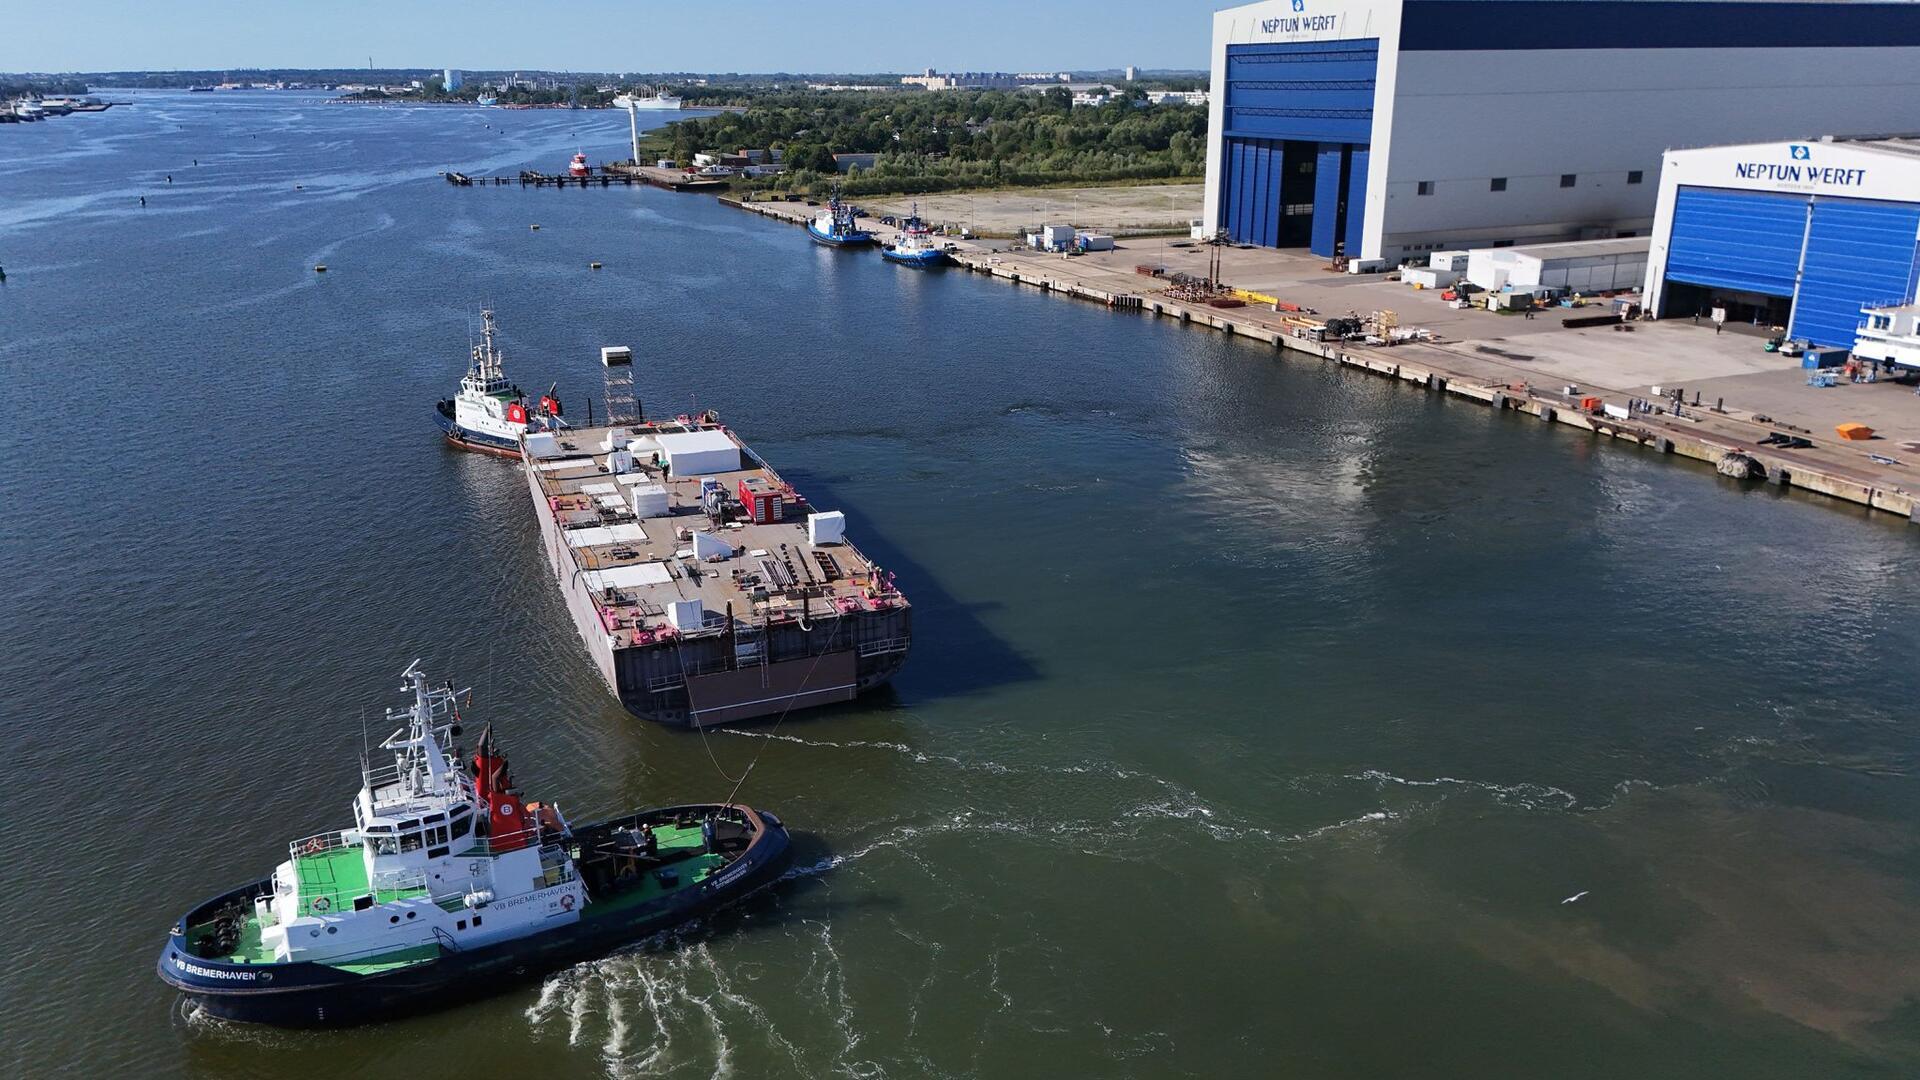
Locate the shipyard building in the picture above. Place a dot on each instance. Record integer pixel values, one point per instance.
(1816, 236)
(1388, 129)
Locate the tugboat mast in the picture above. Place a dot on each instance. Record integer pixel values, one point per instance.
(420, 762)
(486, 357)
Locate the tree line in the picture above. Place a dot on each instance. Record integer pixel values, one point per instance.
(950, 139)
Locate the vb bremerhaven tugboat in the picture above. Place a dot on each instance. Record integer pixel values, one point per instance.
(836, 226)
(449, 886)
(489, 414)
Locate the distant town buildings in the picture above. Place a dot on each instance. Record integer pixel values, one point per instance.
(1101, 93)
(979, 80)
(1132, 73)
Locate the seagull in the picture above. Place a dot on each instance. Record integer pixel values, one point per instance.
(1576, 896)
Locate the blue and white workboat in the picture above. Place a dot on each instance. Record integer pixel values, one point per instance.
(489, 414)
(835, 225)
(449, 886)
(916, 246)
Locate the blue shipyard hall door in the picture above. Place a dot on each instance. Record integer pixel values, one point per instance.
(1294, 158)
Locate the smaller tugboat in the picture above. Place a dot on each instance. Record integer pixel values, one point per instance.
(489, 414)
(579, 166)
(486, 101)
(916, 247)
(450, 886)
(835, 225)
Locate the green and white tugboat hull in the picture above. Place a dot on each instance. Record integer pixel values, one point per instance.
(450, 887)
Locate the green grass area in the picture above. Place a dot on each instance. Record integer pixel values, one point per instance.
(949, 141)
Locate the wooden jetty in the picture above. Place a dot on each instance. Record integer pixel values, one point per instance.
(606, 176)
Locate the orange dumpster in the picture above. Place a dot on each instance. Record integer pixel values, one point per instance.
(1855, 432)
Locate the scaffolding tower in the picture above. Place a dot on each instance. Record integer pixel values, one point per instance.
(622, 406)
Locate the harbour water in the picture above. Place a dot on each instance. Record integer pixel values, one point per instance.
(1262, 720)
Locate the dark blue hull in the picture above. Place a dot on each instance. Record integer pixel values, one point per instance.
(852, 239)
(315, 995)
(920, 260)
(471, 440)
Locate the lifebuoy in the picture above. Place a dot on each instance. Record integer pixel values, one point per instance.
(321, 903)
(566, 901)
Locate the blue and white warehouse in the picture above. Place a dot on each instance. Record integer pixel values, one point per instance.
(1796, 234)
(1379, 130)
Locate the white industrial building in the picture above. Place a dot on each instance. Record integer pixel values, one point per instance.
(1573, 266)
(450, 80)
(1383, 129)
(1805, 235)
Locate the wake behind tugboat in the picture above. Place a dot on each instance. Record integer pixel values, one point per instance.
(449, 886)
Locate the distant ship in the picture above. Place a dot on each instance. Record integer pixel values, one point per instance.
(578, 166)
(916, 246)
(489, 414)
(652, 100)
(449, 885)
(201, 89)
(485, 100)
(835, 225)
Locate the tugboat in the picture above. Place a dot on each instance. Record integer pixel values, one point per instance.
(449, 886)
(916, 246)
(489, 414)
(578, 166)
(835, 226)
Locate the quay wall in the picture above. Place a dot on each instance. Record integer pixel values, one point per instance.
(1660, 437)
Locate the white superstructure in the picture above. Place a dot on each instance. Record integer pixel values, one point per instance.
(489, 412)
(651, 99)
(431, 859)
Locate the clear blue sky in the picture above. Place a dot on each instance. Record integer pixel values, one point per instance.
(602, 35)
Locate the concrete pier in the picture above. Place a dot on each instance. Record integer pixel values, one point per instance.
(1459, 367)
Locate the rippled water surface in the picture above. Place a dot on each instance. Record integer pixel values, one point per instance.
(1262, 720)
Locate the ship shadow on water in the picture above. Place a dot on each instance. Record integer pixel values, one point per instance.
(954, 652)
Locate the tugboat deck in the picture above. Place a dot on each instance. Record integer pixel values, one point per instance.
(342, 870)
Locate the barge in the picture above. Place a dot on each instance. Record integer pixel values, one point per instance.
(706, 589)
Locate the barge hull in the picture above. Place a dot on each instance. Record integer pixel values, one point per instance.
(809, 655)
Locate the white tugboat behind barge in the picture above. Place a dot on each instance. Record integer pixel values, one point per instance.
(705, 588)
